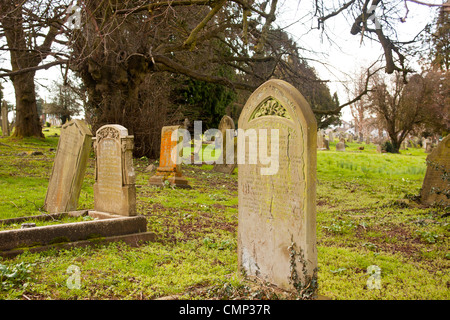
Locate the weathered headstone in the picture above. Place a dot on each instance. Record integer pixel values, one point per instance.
(5, 123)
(403, 145)
(226, 127)
(69, 167)
(169, 168)
(436, 183)
(320, 139)
(360, 137)
(340, 146)
(330, 137)
(326, 144)
(114, 187)
(277, 211)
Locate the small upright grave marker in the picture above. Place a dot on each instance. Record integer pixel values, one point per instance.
(340, 146)
(5, 123)
(169, 168)
(226, 127)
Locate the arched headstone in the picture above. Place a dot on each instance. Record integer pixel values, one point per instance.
(114, 187)
(226, 127)
(277, 208)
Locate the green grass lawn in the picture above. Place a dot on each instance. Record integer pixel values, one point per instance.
(365, 216)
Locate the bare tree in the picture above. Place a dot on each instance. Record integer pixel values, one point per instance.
(359, 109)
(401, 107)
(30, 28)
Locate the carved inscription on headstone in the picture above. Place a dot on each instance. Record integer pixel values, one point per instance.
(277, 212)
(69, 167)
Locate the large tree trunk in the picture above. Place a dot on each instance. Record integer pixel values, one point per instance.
(396, 142)
(27, 121)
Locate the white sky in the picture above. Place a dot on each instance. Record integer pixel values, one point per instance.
(339, 64)
(342, 64)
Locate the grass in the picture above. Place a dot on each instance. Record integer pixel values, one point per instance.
(364, 217)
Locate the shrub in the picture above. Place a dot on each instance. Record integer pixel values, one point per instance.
(388, 147)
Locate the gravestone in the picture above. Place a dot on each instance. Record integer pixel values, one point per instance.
(114, 187)
(437, 175)
(330, 137)
(340, 146)
(277, 209)
(326, 144)
(69, 167)
(169, 168)
(5, 123)
(227, 123)
(320, 139)
(360, 137)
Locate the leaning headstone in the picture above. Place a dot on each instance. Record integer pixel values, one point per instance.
(340, 146)
(277, 209)
(5, 123)
(436, 184)
(226, 127)
(114, 187)
(69, 167)
(169, 168)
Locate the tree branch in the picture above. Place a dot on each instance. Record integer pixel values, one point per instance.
(192, 36)
(30, 69)
(173, 66)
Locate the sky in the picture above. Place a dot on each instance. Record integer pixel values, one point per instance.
(340, 58)
(346, 55)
